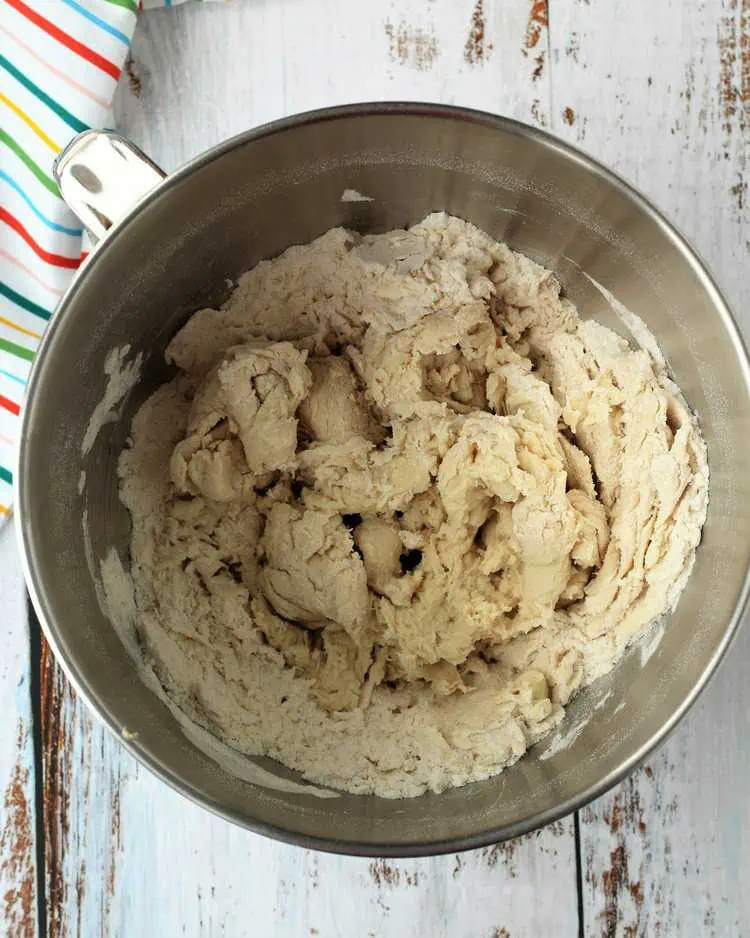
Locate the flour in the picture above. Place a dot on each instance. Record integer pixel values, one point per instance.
(569, 731)
(399, 506)
(639, 331)
(352, 195)
(122, 377)
(118, 599)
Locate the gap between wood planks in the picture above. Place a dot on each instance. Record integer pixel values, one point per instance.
(40, 817)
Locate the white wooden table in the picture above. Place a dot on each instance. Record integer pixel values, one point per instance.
(90, 843)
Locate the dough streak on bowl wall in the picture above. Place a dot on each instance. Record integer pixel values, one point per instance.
(399, 505)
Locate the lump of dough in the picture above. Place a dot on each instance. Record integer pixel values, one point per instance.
(529, 308)
(242, 424)
(306, 294)
(524, 393)
(544, 526)
(342, 674)
(649, 480)
(404, 251)
(592, 535)
(357, 476)
(454, 606)
(312, 574)
(592, 402)
(438, 265)
(506, 718)
(380, 544)
(334, 409)
(336, 664)
(292, 641)
(462, 257)
(481, 465)
(577, 467)
(438, 360)
(500, 561)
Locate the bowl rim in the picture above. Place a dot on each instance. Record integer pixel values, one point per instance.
(34, 576)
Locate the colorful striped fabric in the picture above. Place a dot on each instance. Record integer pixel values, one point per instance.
(59, 64)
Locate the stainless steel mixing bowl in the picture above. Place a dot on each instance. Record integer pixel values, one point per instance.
(250, 198)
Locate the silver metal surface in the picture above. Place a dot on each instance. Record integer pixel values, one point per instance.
(101, 176)
(249, 199)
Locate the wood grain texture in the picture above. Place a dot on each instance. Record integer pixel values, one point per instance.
(201, 73)
(18, 897)
(662, 95)
(82, 785)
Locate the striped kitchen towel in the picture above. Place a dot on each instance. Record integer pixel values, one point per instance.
(59, 63)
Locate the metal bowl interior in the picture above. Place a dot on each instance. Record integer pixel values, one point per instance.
(251, 198)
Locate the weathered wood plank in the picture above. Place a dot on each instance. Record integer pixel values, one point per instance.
(18, 895)
(204, 72)
(661, 92)
(83, 765)
(125, 854)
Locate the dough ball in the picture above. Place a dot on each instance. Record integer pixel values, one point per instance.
(334, 410)
(311, 571)
(242, 424)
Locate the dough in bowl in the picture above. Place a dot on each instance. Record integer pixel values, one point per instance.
(400, 504)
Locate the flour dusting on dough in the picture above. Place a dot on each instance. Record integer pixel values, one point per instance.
(399, 505)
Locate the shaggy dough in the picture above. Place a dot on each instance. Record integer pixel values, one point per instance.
(400, 505)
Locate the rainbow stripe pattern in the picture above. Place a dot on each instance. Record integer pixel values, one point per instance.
(59, 64)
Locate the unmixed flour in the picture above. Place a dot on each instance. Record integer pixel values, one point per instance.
(400, 505)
